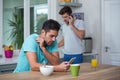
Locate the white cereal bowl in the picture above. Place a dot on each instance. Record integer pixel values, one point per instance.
(46, 70)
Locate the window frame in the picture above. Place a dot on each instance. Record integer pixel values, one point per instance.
(52, 9)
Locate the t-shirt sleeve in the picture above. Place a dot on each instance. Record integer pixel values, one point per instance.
(29, 45)
(80, 25)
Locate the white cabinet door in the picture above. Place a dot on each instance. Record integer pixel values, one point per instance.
(111, 32)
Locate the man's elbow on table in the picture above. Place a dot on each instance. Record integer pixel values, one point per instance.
(35, 67)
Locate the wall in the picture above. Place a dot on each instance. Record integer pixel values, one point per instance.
(91, 9)
(1, 25)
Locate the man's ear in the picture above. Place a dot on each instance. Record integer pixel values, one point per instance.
(43, 32)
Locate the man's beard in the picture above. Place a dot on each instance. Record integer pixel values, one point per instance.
(45, 44)
(67, 22)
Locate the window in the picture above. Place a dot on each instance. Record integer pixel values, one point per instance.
(8, 7)
(12, 23)
(40, 16)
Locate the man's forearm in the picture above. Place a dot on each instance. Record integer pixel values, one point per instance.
(61, 43)
(36, 66)
(54, 60)
(79, 33)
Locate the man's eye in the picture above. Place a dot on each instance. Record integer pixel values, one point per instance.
(51, 35)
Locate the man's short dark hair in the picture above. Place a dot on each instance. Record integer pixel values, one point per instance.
(51, 25)
(65, 9)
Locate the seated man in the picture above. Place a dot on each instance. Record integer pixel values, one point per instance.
(39, 49)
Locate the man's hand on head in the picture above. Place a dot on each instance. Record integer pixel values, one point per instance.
(71, 20)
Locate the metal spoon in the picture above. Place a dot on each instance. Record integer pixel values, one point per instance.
(44, 63)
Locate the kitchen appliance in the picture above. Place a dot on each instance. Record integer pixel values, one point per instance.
(87, 41)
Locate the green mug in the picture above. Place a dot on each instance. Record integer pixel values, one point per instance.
(74, 68)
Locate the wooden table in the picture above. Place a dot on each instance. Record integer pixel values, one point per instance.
(103, 72)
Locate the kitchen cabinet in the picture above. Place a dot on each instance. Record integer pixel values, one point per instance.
(7, 68)
(7, 65)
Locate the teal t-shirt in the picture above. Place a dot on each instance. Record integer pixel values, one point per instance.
(31, 45)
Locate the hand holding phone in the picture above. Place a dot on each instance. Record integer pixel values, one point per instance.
(72, 60)
(71, 16)
(71, 20)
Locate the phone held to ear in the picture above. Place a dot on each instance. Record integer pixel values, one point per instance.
(71, 16)
(72, 60)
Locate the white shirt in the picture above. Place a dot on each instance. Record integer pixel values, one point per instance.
(72, 43)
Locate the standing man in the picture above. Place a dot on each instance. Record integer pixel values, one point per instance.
(73, 32)
(38, 50)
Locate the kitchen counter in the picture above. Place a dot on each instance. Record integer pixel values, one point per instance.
(103, 72)
(13, 60)
(7, 65)
(4, 61)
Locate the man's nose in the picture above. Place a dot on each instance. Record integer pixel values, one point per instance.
(54, 38)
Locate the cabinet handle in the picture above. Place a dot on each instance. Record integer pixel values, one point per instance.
(106, 48)
(7, 70)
